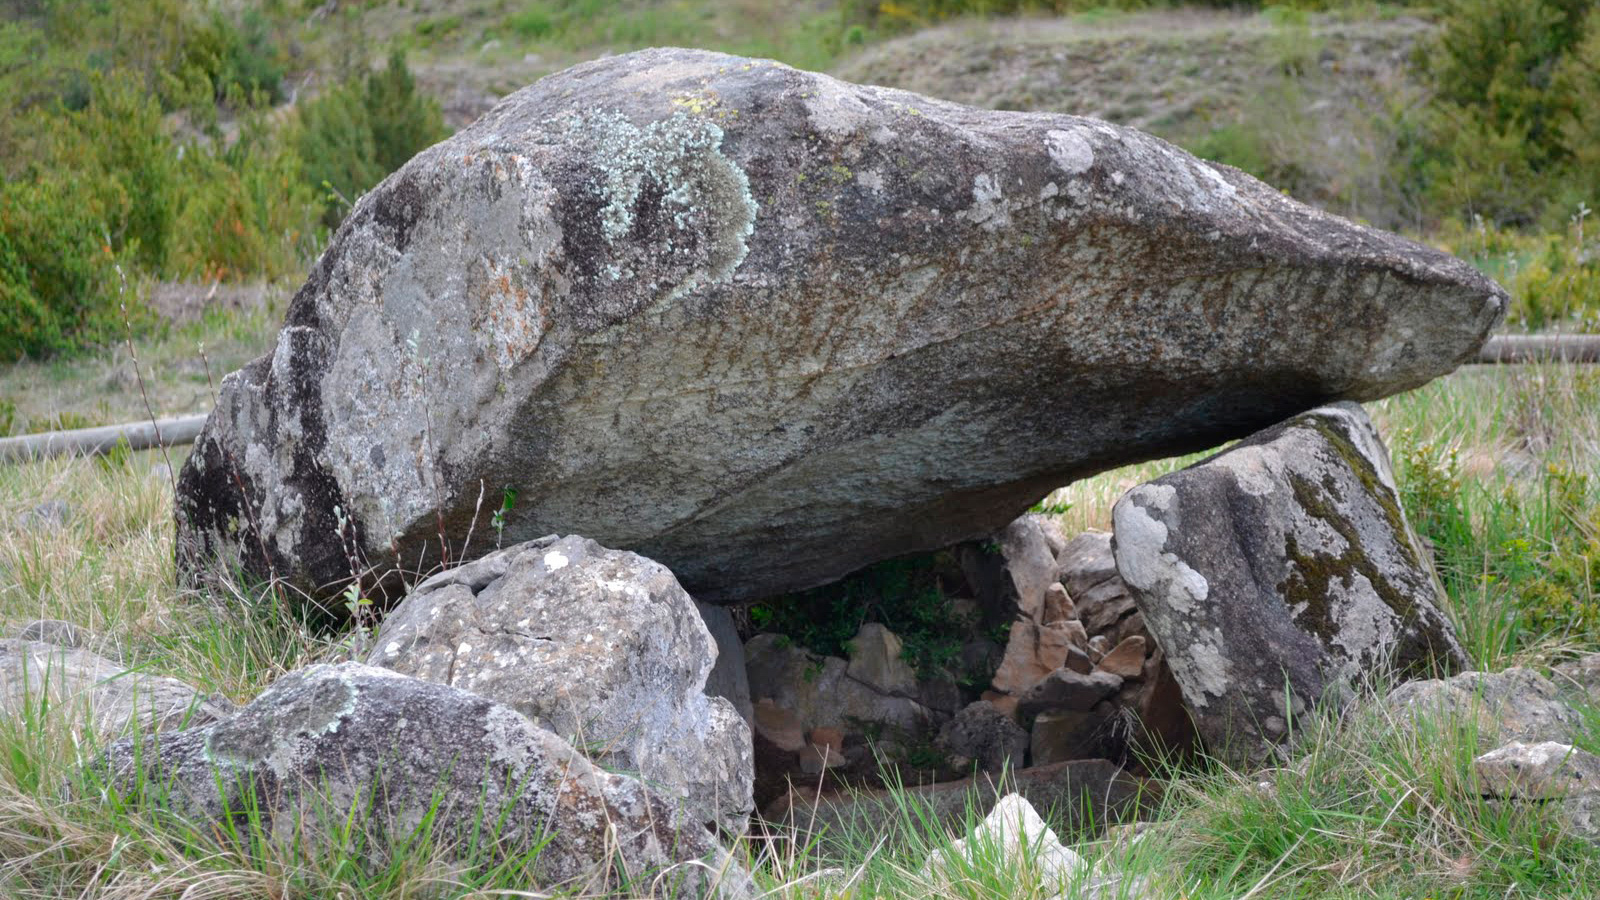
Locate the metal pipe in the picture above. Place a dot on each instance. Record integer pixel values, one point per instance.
(84, 441)
(1525, 348)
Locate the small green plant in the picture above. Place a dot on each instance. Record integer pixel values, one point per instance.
(498, 520)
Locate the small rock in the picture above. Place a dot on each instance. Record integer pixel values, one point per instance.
(1581, 676)
(1025, 546)
(67, 680)
(983, 733)
(1005, 703)
(1086, 561)
(814, 758)
(49, 514)
(876, 661)
(1078, 661)
(1035, 651)
(1014, 829)
(728, 678)
(54, 631)
(821, 692)
(1517, 704)
(1065, 689)
(1063, 735)
(1548, 770)
(831, 738)
(1098, 645)
(778, 726)
(1127, 660)
(1103, 606)
(1058, 606)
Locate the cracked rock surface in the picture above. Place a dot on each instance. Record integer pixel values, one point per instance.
(1281, 574)
(331, 744)
(698, 306)
(600, 645)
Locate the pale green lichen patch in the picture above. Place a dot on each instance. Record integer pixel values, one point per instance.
(672, 171)
(267, 731)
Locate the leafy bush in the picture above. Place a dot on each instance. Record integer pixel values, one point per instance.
(56, 271)
(355, 134)
(1496, 146)
(1554, 279)
(247, 213)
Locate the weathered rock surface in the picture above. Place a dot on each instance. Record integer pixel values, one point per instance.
(982, 734)
(1280, 574)
(602, 646)
(331, 743)
(694, 306)
(1547, 773)
(1548, 770)
(727, 679)
(51, 679)
(1516, 704)
(822, 692)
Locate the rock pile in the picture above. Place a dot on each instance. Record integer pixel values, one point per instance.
(1079, 668)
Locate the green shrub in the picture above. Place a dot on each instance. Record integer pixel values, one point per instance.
(1496, 145)
(1577, 81)
(248, 213)
(56, 270)
(906, 595)
(355, 134)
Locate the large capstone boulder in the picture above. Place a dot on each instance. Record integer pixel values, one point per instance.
(331, 748)
(1281, 574)
(701, 307)
(602, 646)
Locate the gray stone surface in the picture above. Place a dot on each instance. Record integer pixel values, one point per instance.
(1580, 678)
(1066, 689)
(54, 631)
(1280, 574)
(48, 679)
(353, 743)
(1547, 770)
(602, 646)
(982, 733)
(1516, 704)
(821, 691)
(876, 661)
(727, 679)
(692, 305)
